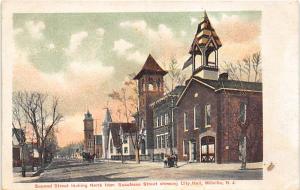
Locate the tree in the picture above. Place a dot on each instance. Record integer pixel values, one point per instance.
(256, 62)
(42, 114)
(127, 97)
(19, 122)
(175, 75)
(249, 69)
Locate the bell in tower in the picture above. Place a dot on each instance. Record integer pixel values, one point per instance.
(204, 51)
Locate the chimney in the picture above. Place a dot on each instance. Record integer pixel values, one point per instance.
(223, 76)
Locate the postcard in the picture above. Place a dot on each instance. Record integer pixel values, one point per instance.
(150, 95)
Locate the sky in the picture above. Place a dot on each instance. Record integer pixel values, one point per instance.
(82, 57)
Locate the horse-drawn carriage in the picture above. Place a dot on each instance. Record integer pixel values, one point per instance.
(86, 156)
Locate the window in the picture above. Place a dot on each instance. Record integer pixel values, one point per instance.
(185, 147)
(167, 140)
(197, 116)
(157, 121)
(162, 120)
(163, 141)
(207, 115)
(158, 141)
(111, 146)
(243, 111)
(185, 121)
(125, 150)
(166, 119)
(125, 139)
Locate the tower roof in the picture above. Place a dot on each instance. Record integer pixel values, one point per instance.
(107, 117)
(88, 115)
(150, 67)
(205, 33)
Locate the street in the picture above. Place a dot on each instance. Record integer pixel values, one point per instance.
(79, 171)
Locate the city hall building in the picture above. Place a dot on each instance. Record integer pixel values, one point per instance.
(205, 120)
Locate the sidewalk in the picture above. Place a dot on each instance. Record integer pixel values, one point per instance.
(195, 165)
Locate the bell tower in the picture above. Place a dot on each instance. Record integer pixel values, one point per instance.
(88, 133)
(204, 51)
(150, 88)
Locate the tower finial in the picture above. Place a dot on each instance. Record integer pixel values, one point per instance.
(205, 14)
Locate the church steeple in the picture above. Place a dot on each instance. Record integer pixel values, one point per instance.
(205, 44)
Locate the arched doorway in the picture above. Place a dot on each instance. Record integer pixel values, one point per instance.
(208, 149)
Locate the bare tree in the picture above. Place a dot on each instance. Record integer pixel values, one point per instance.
(247, 67)
(256, 62)
(19, 124)
(175, 75)
(42, 114)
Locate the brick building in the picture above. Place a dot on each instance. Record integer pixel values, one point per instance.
(150, 88)
(212, 115)
(164, 127)
(92, 142)
(214, 111)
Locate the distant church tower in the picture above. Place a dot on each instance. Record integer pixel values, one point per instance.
(89, 133)
(105, 132)
(204, 51)
(150, 88)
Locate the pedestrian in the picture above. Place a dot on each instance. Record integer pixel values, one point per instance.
(165, 161)
(175, 160)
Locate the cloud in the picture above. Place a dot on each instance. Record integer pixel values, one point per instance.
(163, 43)
(183, 33)
(18, 31)
(193, 20)
(51, 46)
(35, 28)
(136, 56)
(75, 41)
(100, 32)
(121, 46)
(138, 25)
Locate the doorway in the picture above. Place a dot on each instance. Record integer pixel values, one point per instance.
(208, 149)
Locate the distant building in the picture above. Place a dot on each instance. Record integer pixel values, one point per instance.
(118, 139)
(89, 140)
(98, 146)
(18, 137)
(92, 142)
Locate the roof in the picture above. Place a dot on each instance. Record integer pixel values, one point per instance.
(115, 131)
(150, 67)
(231, 84)
(205, 33)
(107, 117)
(98, 139)
(88, 115)
(19, 134)
(217, 85)
(174, 93)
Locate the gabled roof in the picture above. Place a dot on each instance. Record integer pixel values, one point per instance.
(19, 134)
(217, 85)
(205, 36)
(115, 131)
(107, 117)
(174, 93)
(150, 67)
